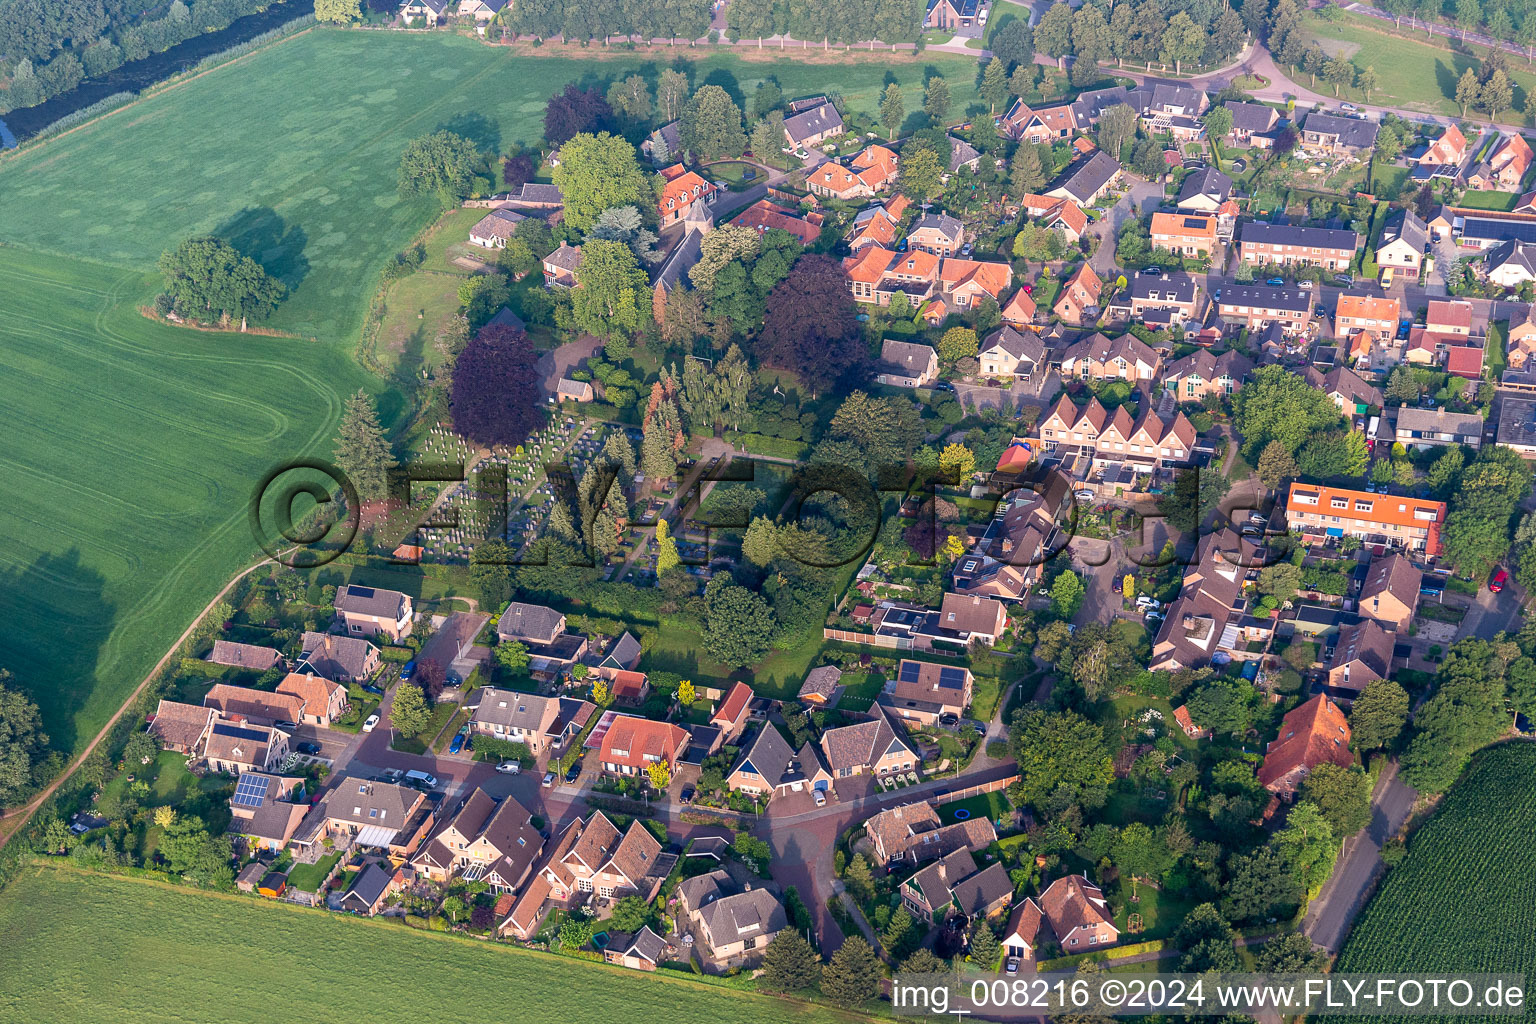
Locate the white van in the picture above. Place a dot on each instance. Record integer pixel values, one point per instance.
(424, 778)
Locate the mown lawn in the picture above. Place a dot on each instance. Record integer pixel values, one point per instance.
(98, 949)
(132, 451)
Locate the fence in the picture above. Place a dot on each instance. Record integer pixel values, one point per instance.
(956, 795)
(848, 636)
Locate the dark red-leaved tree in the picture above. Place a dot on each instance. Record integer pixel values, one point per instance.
(810, 325)
(1285, 141)
(576, 110)
(430, 677)
(496, 394)
(515, 170)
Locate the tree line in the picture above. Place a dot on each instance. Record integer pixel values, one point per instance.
(600, 19)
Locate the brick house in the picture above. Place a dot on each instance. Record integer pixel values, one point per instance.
(370, 611)
(631, 745)
(1079, 914)
(1264, 244)
(1185, 234)
(1312, 734)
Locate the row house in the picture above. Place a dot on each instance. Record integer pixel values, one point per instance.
(876, 274)
(1264, 244)
(1258, 306)
(1145, 443)
(1199, 374)
(1346, 389)
(487, 841)
(1318, 512)
(1098, 357)
(1158, 300)
(1365, 320)
(1185, 234)
(870, 172)
(1007, 561)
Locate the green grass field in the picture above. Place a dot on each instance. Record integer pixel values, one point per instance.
(1413, 73)
(1478, 842)
(1501, 202)
(126, 950)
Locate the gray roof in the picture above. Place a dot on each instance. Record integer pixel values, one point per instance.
(1517, 421)
(975, 894)
(567, 257)
(674, 270)
(624, 651)
(533, 621)
(1405, 224)
(910, 356)
(949, 227)
(1351, 131)
(744, 915)
(1170, 287)
(1089, 106)
(337, 657)
(251, 656)
(1165, 96)
(371, 884)
(1025, 346)
(961, 153)
(364, 802)
(1206, 182)
(1439, 421)
(1291, 234)
(499, 223)
(1252, 117)
(509, 708)
(1086, 177)
(534, 193)
(1290, 300)
(506, 318)
(435, 6)
(816, 121)
(385, 604)
(670, 136)
(646, 945)
(770, 755)
(1515, 253)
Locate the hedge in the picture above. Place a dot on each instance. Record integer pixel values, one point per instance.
(762, 444)
(399, 655)
(206, 669)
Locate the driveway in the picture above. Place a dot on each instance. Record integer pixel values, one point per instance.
(1011, 399)
(1137, 200)
(1493, 613)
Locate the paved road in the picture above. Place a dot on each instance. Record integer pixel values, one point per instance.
(1493, 613)
(1140, 197)
(1330, 915)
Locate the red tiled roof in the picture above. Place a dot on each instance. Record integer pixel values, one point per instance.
(734, 705)
(1464, 361)
(764, 215)
(1311, 734)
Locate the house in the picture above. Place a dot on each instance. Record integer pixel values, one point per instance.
(938, 233)
(493, 230)
(1449, 316)
(488, 840)
(482, 11)
(875, 747)
(631, 745)
(1332, 134)
(1090, 106)
(1428, 428)
(543, 724)
(1263, 244)
(764, 216)
(622, 655)
(248, 657)
(1511, 264)
(371, 611)
(1168, 107)
(812, 127)
(1182, 717)
(870, 172)
(1098, 357)
(1006, 562)
(1404, 239)
(732, 713)
(1184, 234)
(1362, 655)
(875, 275)
(1517, 424)
(1506, 168)
(950, 14)
(264, 809)
(1465, 361)
(964, 283)
(427, 12)
(533, 196)
(561, 265)
(1204, 191)
(1056, 212)
(567, 390)
(643, 951)
(1318, 512)
(914, 833)
(962, 154)
(924, 692)
(533, 624)
(1258, 306)
(1042, 126)
(729, 923)
(1522, 338)
(593, 856)
(874, 225)
(1374, 314)
(1251, 119)
(1143, 444)
(346, 659)
(181, 727)
(1481, 230)
(681, 190)
(953, 881)
(376, 815)
(1312, 734)
(324, 700)
(1020, 311)
(1086, 180)
(1021, 933)
(907, 364)
(768, 765)
(370, 889)
(1010, 353)
(1158, 300)
(238, 747)
(821, 687)
(1078, 302)
(1199, 374)
(664, 145)
(256, 707)
(1205, 620)
(1348, 390)
(1079, 914)
(1449, 148)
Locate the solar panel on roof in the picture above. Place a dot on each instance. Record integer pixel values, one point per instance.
(951, 678)
(361, 591)
(250, 791)
(909, 671)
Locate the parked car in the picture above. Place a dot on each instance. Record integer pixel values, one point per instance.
(1257, 517)
(308, 748)
(1012, 966)
(686, 796)
(1084, 496)
(820, 797)
(574, 774)
(1153, 270)
(549, 779)
(457, 744)
(377, 691)
(510, 767)
(949, 718)
(965, 250)
(1275, 282)
(408, 671)
(1349, 107)
(1500, 577)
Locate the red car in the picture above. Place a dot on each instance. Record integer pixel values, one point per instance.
(1499, 579)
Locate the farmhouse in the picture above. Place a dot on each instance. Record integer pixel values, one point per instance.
(812, 127)
(1310, 735)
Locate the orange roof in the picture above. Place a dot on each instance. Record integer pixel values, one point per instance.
(315, 692)
(1183, 225)
(1084, 277)
(629, 739)
(1449, 313)
(628, 684)
(1464, 361)
(682, 189)
(915, 263)
(1083, 145)
(675, 171)
(897, 205)
(1367, 307)
(1021, 308)
(876, 165)
(734, 705)
(935, 311)
(1448, 147)
(1070, 214)
(1363, 506)
(764, 215)
(1360, 344)
(880, 229)
(1514, 151)
(991, 278)
(835, 177)
(1016, 457)
(868, 266)
(1314, 733)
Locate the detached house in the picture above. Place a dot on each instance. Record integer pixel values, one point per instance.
(1505, 170)
(1086, 180)
(369, 611)
(324, 701)
(487, 841)
(875, 275)
(1078, 302)
(631, 745)
(907, 364)
(1159, 300)
(1045, 125)
(923, 692)
(376, 815)
(181, 727)
(1390, 594)
(870, 172)
(951, 14)
(238, 747)
(938, 233)
(1428, 428)
(1021, 311)
(730, 923)
(769, 766)
(1021, 933)
(964, 283)
(955, 882)
(1250, 120)
(1098, 357)
(1170, 107)
(1449, 148)
(1332, 134)
(1010, 353)
(493, 230)
(1204, 191)
(249, 657)
(1362, 655)
(267, 809)
(1404, 238)
(1310, 735)
(346, 659)
(542, 723)
(681, 190)
(812, 127)
(875, 747)
(914, 834)
(426, 12)
(256, 707)
(560, 266)
(1079, 914)
(1522, 338)
(1185, 234)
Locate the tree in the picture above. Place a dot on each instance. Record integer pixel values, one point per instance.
(994, 84)
(1014, 43)
(958, 343)
(1067, 595)
(596, 173)
(1222, 706)
(496, 397)
(1026, 174)
(671, 93)
(1117, 126)
(1278, 405)
(22, 740)
(738, 625)
(666, 548)
(922, 961)
(340, 12)
(711, 128)
(1060, 749)
(190, 851)
(1053, 35)
(1339, 73)
(1195, 494)
(936, 99)
(1487, 496)
(441, 164)
(600, 692)
(612, 296)
(1139, 853)
(892, 110)
(660, 775)
(789, 963)
(361, 450)
(208, 279)
(984, 947)
(853, 976)
(1182, 40)
(1342, 795)
(959, 460)
(1467, 90)
(1281, 581)
(920, 174)
(1369, 82)
(1291, 953)
(768, 134)
(512, 656)
(760, 544)
(1496, 94)
(575, 111)
(809, 325)
(1275, 465)
(410, 713)
(1465, 714)
(631, 99)
(1262, 885)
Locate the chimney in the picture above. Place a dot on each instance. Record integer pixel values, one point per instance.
(1189, 622)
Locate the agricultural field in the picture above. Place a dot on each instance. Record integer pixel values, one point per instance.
(245, 951)
(1479, 841)
(132, 452)
(1414, 74)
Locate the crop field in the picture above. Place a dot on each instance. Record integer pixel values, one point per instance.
(131, 451)
(113, 949)
(1464, 900)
